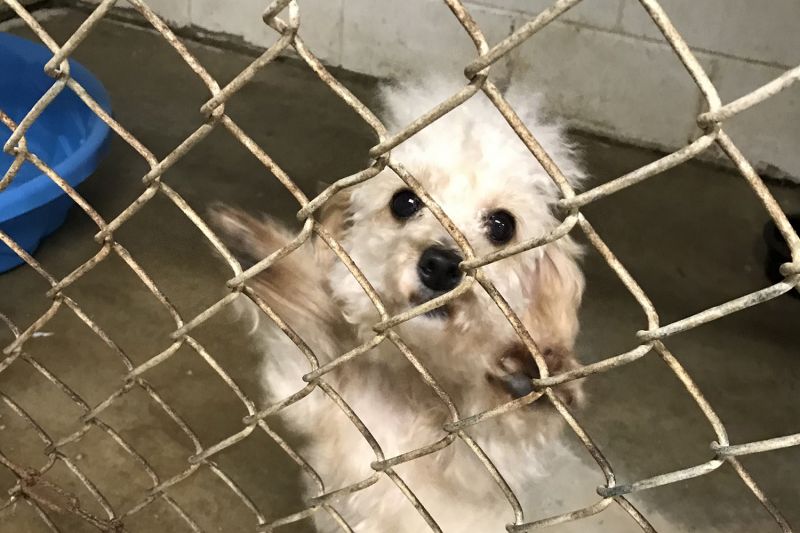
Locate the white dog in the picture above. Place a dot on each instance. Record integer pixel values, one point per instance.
(481, 174)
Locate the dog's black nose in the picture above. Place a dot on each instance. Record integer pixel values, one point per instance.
(438, 268)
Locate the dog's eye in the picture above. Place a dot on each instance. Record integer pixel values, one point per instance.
(500, 226)
(405, 203)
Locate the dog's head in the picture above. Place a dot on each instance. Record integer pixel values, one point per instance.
(473, 165)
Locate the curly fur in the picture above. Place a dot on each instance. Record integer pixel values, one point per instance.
(470, 162)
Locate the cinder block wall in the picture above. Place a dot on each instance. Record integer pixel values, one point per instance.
(603, 65)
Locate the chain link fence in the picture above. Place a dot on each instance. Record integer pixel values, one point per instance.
(283, 16)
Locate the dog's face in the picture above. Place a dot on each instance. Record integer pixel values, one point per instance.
(410, 258)
(482, 176)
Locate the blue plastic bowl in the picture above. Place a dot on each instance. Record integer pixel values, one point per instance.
(67, 136)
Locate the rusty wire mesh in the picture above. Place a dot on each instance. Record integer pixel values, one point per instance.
(650, 340)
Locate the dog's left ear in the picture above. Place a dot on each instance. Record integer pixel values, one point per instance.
(554, 296)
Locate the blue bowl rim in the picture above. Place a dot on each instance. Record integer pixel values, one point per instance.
(40, 189)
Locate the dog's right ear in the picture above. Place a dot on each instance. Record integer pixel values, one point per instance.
(295, 285)
(334, 215)
(249, 238)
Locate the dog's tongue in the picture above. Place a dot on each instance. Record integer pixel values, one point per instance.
(521, 368)
(518, 384)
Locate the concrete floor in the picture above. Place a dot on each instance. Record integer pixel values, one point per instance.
(691, 237)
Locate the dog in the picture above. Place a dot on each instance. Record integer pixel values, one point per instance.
(481, 174)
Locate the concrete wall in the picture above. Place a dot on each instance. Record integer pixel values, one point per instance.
(603, 65)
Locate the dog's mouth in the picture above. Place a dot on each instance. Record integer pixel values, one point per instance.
(438, 313)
